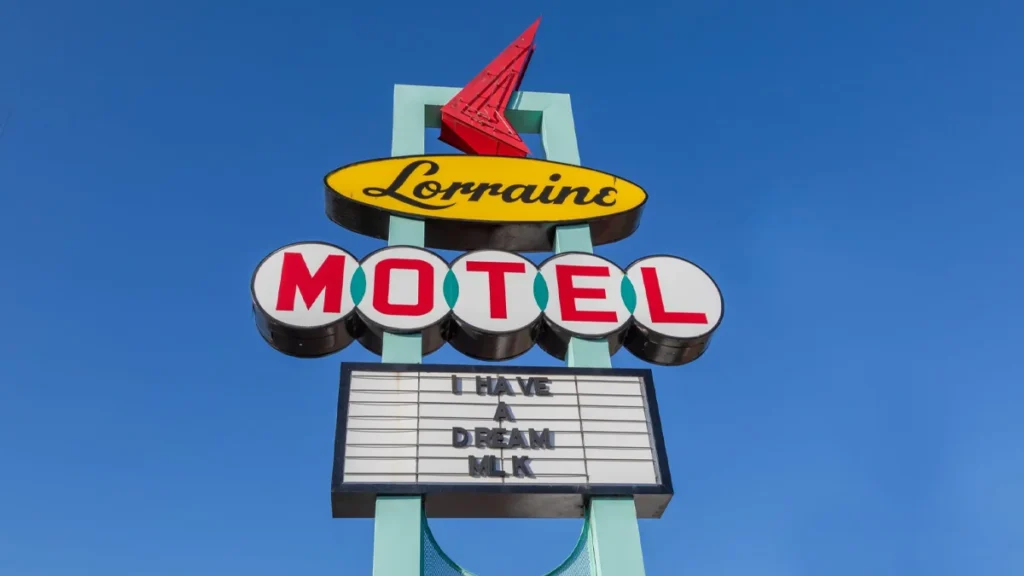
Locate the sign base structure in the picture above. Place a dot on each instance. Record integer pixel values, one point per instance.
(480, 442)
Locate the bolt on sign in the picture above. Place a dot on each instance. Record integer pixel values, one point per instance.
(509, 442)
(313, 299)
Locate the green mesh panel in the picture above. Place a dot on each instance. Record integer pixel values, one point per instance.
(436, 563)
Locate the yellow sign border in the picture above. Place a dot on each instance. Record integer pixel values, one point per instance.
(448, 233)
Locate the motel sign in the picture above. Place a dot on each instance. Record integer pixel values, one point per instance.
(314, 299)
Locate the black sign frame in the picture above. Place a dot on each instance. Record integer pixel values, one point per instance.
(466, 500)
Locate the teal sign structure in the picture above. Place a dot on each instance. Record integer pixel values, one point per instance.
(403, 546)
(411, 440)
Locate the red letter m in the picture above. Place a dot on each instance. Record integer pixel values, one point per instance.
(328, 280)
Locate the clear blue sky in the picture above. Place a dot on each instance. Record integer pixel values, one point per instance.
(850, 174)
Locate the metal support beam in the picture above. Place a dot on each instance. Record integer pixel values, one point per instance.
(613, 525)
(397, 532)
(398, 536)
(398, 544)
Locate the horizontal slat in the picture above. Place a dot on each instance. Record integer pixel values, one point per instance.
(380, 466)
(606, 388)
(617, 427)
(378, 423)
(542, 466)
(385, 396)
(610, 413)
(395, 438)
(616, 440)
(456, 479)
(521, 423)
(606, 472)
(559, 439)
(538, 454)
(470, 377)
(561, 387)
(380, 451)
(453, 452)
(382, 410)
(599, 401)
(546, 479)
(537, 464)
(384, 381)
(439, 385)
(590, 380)
(492, 401)
(379, 478)
(447, 465)
(482, 412)
(619, 454)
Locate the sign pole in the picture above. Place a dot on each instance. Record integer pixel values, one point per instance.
(398, 544)
(397, 532)
(613, 524)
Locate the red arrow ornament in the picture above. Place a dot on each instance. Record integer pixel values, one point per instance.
(474, 120)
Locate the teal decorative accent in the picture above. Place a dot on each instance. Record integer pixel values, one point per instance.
(628, 294)
(614, 539)
(358, 285)
(540, 292)
(437, 563)
(451, 288)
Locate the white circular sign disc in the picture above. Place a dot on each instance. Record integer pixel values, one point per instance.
(305, 285)
(404, 289)
(495, 291)
(584, 294)
(674, 297)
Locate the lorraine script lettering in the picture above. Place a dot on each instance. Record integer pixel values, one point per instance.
(500, 437)
(413, 188)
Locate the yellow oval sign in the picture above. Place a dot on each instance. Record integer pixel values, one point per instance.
(499, 202)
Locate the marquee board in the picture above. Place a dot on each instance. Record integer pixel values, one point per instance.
(487, 442)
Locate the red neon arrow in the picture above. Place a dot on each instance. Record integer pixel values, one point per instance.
(474, 120)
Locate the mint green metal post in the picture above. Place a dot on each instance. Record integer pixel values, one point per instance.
(614, 533)
(614, 537)
(407, 133)
(397, 533)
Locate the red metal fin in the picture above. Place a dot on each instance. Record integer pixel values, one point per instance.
(474, 120)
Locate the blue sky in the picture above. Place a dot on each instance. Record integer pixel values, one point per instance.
(849, 173)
